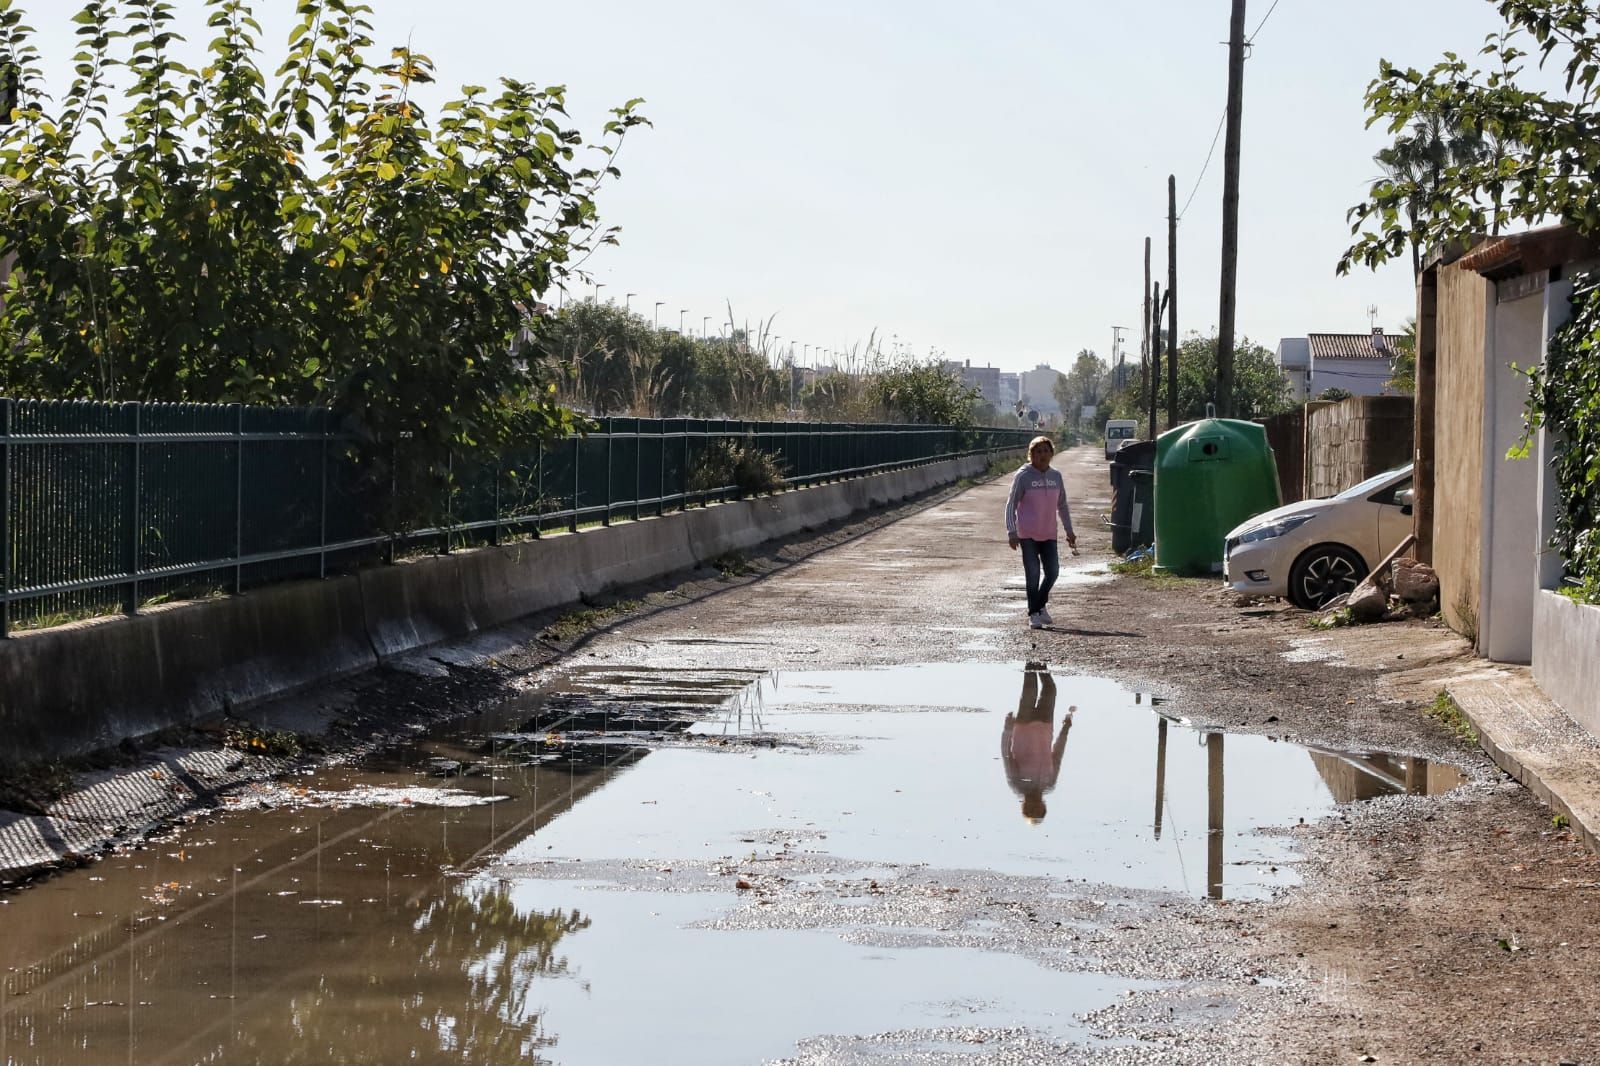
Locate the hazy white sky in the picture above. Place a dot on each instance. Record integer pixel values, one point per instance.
(973, 178)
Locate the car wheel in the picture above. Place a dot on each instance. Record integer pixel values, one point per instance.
(1324, 573)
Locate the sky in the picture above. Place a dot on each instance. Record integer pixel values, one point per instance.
(972, 180)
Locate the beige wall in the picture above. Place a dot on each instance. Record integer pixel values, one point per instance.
(1458, 444)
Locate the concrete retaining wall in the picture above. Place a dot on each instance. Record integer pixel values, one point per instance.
(77, 688)
(1566, 656)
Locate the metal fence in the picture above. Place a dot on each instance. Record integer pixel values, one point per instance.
(108, 508)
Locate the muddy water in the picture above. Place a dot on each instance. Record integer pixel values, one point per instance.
(409, 909)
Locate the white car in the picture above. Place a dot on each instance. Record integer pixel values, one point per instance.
(1315, 550)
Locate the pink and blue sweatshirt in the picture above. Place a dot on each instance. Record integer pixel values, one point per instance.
(1036, 499)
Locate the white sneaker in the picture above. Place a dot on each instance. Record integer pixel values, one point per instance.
(1044, 616)
(1035, 622)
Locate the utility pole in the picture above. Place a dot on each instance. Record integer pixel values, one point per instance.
(1144, 342)
(1230, 214)
(1172, 301)
(1155, 354)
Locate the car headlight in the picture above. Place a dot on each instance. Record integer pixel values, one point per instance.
(1275, 529)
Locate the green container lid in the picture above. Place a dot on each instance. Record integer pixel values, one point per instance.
(1211, 475)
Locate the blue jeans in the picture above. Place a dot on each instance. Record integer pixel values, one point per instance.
(1037, 555)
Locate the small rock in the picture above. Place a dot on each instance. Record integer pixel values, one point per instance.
(1367, 602)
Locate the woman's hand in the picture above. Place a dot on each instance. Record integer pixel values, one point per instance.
(1015, 541)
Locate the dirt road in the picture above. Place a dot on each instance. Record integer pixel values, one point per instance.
(817, 810)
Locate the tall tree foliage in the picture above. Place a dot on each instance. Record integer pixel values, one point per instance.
(1086, 384)
(1542, 160)
(309, 237)
(1259, 389)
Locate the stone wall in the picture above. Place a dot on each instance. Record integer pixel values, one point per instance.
(1350, 441)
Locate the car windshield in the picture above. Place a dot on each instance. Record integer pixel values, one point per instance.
(1372, 484)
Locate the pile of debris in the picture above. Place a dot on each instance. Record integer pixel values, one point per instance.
(1400, 588)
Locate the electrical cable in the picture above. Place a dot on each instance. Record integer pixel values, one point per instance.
(1222, 121)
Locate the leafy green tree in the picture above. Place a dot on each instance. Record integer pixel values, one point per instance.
(1542, 159)
(1430, 144)
(1086, 383)
(311, 237)
(1403, 370)
(923, 394)
(1259, 390)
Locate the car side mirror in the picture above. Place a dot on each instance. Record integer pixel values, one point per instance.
(1407, 499)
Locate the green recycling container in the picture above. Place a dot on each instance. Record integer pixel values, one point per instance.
(1211, 475)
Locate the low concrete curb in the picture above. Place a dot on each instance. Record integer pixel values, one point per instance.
(1534, 741)
(79, 688)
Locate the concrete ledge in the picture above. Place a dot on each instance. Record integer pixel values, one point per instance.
(88, 686)
(77, 688)
(1534, 741)
(1566, 656)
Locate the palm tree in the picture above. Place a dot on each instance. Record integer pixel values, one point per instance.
(1420, 156)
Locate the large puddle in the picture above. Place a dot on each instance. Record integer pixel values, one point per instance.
(425, 907)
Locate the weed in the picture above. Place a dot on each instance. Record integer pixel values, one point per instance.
(281, 743)
(731, 565)
(1145, 570)
(1560, 821)
(743, 467)
(1332, 620)
(1447, 712)
(32, 788)
(575, 624)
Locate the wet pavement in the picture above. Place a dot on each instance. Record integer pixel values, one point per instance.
(700, 864)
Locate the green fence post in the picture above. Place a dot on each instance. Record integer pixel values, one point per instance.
(577, 457)
(661, 449)
(130, 596)
(238, 497)
(538, 490)
(611, 442)
(638, 469)
(5, 518)
(322, 518)
(494, 531)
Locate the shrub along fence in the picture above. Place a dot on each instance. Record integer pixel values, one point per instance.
(107, 508)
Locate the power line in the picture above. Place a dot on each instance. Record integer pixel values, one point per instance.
(1252, 38)
(1221, 121)
(1206, 165)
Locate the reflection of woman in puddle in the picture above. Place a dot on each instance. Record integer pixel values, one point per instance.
(1032, 761)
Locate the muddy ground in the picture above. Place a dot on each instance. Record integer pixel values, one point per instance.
(1447, 929)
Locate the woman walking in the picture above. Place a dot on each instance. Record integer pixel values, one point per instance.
(1038, 496)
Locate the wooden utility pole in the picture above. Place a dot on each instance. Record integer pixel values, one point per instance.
(1144, 338)
(1422, 475)
(1155, 354)
(1172, 301)
(1230, 214)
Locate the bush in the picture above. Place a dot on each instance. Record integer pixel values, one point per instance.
(744, 467)
(1564, 397)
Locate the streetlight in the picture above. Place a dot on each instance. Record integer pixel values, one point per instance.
(627, 301)
(705, 320)
(681, 312)
(597, 287)
(657, 322)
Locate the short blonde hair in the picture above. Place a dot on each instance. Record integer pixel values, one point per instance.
(1046, 441)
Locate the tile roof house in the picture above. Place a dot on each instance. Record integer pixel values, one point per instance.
(1359, 363)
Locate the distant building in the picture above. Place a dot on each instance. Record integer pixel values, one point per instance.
(986, 379)
(1359, 363)
(1039, 389)
(1010, 390)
